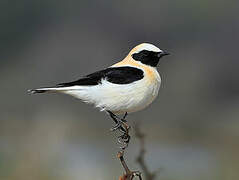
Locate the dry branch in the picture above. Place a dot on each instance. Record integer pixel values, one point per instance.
(141, 157)
(130, 175)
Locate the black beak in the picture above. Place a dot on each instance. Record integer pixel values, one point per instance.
(164, 54)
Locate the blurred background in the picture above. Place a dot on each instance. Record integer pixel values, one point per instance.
(192, 127)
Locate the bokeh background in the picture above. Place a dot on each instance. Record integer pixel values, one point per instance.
(192, 127)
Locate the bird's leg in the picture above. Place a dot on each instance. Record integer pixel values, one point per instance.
(125, 138)
(121, 124)
(124, 117)
(113, 116)
(117, 121)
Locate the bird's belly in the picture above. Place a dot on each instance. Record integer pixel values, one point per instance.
(128, 98)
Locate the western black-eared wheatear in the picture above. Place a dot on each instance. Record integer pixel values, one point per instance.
(127, 86)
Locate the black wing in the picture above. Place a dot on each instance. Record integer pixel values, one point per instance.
(116, 75)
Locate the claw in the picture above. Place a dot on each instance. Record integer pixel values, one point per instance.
(119, 125)
(118, 122)
(124, 140)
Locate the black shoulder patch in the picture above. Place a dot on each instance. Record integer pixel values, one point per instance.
(116, 75)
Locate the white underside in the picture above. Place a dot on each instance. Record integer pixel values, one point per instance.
(117, 98)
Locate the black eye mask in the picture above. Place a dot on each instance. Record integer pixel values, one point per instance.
(147, 57)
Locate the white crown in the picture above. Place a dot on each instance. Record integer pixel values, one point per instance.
(148, 47)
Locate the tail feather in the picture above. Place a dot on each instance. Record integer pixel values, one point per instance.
(49, 89)
(34, 91)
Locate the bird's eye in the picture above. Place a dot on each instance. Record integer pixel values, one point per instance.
(145, 53)
(158, 54)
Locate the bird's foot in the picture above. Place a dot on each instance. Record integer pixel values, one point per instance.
(122, 126)
(119, 125)
(124, 140)
(119, 122)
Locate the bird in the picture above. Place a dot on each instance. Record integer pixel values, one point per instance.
(125, 87)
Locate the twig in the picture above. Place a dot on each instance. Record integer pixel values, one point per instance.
(140, 158)
(125, 138)
(129, 175)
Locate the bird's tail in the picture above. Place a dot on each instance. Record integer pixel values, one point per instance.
(47, 89)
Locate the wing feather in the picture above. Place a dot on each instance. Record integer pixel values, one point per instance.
(116, 75)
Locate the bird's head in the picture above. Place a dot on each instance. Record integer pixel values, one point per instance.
(147, 54)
